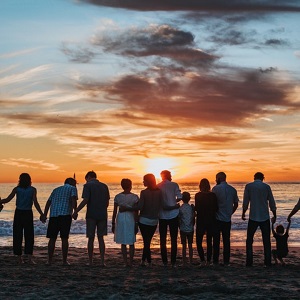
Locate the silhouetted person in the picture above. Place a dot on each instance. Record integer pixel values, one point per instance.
(96, 196)
(23, 217)
(169, 217)
(206, 206)
(150, 204)
(281, 238)
(62, 202)
(259, 195)
(227, 204)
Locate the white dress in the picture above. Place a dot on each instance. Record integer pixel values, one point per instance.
(125, 222)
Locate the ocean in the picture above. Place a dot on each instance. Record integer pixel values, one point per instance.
(285, 194)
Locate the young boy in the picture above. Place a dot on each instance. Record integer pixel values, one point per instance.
(281, 243)
(186, 226)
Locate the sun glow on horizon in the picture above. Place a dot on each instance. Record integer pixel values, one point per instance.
(156, 165)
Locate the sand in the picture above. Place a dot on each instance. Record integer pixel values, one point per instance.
(115, 281)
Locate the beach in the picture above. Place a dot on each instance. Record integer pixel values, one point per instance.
(115, 281)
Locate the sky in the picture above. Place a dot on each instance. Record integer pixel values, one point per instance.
(129, 87)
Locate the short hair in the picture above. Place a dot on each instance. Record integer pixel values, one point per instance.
(150, 180)
(71, 181)
(24, 180)
(280, 229)
(221, 176)
(204, 185)
(186, 196)
(165, 173)
(126, 183)
(259, 176)
(90, 174)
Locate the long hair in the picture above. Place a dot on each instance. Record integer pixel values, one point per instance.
(150, 181)
(24, 180)
(204, 185)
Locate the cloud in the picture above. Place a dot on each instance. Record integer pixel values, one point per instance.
(77, 54)
(30, 163)
(214, 5)
(276, 42)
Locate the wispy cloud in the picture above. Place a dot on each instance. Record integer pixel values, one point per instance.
(30, 164)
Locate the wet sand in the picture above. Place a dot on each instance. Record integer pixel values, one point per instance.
(115, 281)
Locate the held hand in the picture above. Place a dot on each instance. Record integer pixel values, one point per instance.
(75, 215)
(243, 217)
(273, 220)
(43, 218)
(289, 219)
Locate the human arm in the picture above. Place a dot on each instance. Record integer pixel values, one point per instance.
(10, 196)
(246, 200)
(234, 207)
(37, 205)
(47, 206)
(273, 219)
(288, 227)
(244, 214)
(294, 210)
(171, 207)
(273, 231)
(82, 204)
(113, 220)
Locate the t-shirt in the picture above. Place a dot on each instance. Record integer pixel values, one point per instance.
(186, 218)
(98, 196)
(281, 242)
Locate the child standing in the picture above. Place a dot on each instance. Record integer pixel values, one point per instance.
(281, 242)
(186, 226)
(124, 222)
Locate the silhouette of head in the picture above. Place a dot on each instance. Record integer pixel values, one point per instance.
(149, 181)
(24, 180)
(220, 177)
(126, 184)
(279, 229)
(166, 174)
(259, 176)
(204, 185)
(186, 197)
(90, 175)
(71, 181)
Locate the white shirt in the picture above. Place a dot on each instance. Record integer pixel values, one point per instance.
(260, 197)
(227, 196)
(171, 193)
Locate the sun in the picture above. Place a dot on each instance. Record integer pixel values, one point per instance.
(156, 165)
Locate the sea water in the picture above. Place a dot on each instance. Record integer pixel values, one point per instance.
(285, 194)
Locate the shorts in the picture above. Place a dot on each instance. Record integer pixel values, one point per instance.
(60, 224)
(189, 236)
(91, 226)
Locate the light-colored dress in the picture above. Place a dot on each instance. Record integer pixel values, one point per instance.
(125, 222)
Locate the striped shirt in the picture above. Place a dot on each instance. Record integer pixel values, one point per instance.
(61, 200)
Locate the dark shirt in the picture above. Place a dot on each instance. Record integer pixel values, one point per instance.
(206, 206)
(150, 203)
(97, 195)
(281, 242)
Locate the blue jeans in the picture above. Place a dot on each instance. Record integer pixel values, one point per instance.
(265, 231)
(163, 228)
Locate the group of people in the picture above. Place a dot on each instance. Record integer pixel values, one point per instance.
(157, 205)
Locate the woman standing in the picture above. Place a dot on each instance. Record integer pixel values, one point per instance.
(150, 203)
(123, 221)
(206, 206)
(23, 217)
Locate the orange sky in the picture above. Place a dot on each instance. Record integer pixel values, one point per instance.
(196, 88)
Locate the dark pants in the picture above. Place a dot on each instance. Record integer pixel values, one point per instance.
(224, 229)
(147, 232)
(23, 222)
(265, 231)
(201, 229)
(163, 228)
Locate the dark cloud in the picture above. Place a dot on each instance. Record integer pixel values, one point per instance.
(77, 53)
(161, 41)
(213, 5)
(276, 42)
(198, 99)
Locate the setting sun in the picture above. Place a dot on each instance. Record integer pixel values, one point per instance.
(156, 165)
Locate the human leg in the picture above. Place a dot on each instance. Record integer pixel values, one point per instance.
(226, 227)
(64, 228)
(124, 253)
(251, 229)
(183, 239)
(131, 254)
(147, 232)
(190, 239)
(173, 225)
(18, 235)
(90, 234)
(199, 239)
(28, 234)
(65, 250)
(209, 245)
(101, 249)
(163, 225)
(51, 248)
(266, 232)
(216, 241)
(90, 247)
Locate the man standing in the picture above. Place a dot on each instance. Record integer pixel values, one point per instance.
(61, 202)
(95, 195)
(227, 205)
(260, 197)
(168, 216)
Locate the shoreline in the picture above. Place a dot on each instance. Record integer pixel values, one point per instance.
(118, 282)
